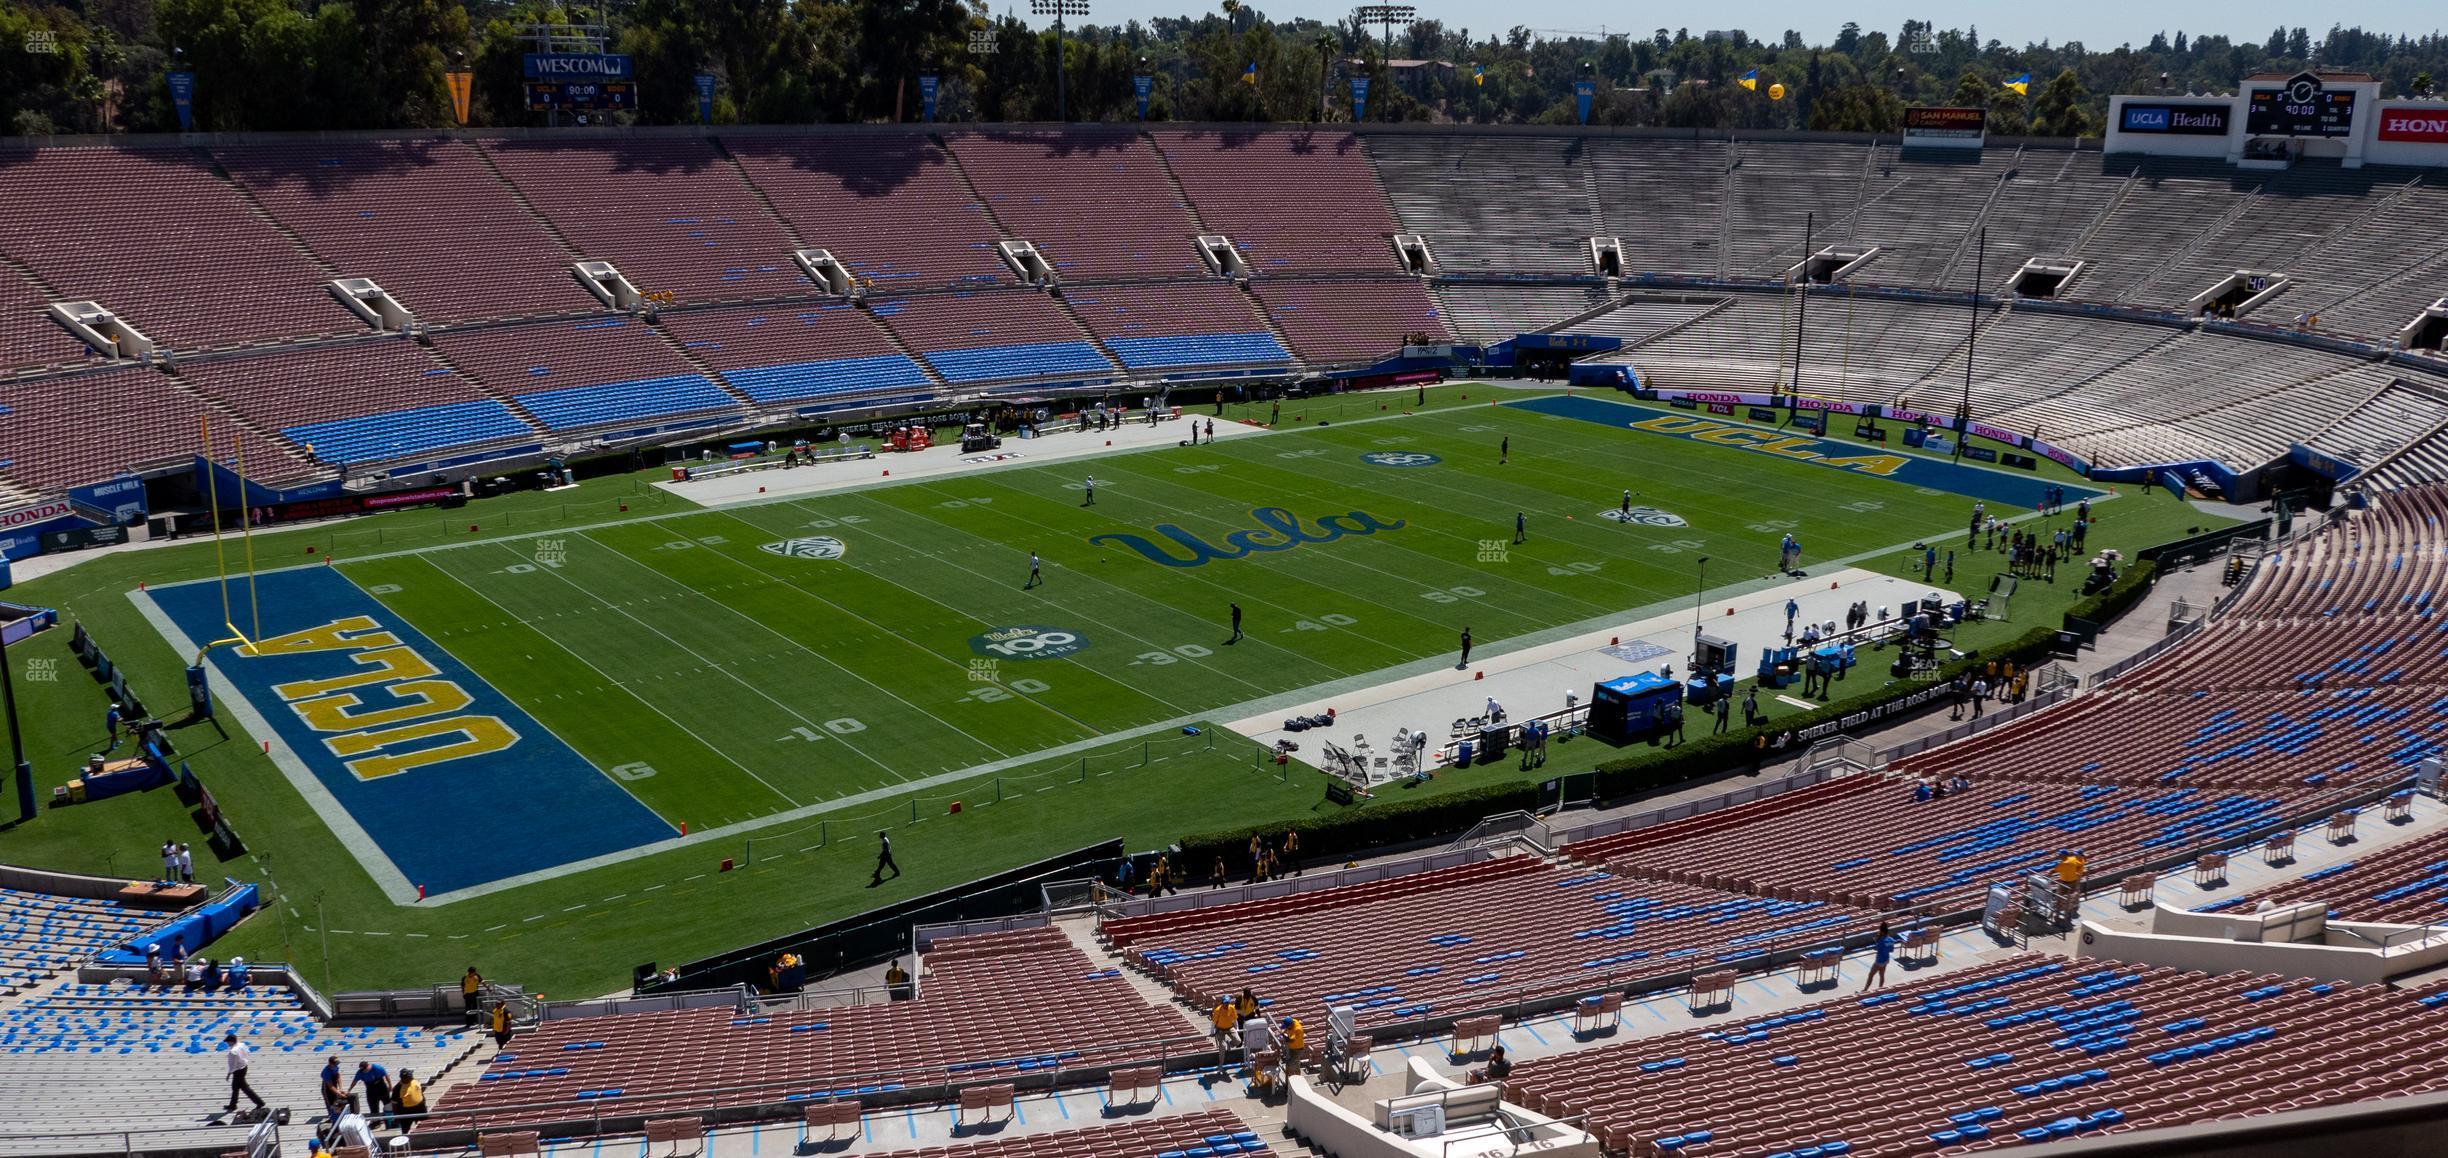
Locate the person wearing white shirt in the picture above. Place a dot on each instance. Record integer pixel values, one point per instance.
(239, 1055)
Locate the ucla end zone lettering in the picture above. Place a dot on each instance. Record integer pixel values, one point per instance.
(455, 784)
(1910, 469)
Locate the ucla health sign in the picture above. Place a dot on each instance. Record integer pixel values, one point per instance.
(2183, 120)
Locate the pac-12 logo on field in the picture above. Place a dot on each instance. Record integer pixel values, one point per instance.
(1028, 642)
(820, 547)
(1644, 516)
(1399, 458)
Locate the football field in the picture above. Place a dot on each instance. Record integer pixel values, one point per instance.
(594, 690)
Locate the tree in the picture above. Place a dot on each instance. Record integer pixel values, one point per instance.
(2059, 112)
(1848, 38)
(1971, 90)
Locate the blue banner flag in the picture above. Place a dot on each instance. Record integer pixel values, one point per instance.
(1360, 98)
(926, 95)
(705, 98)
(182, 95)
(1140, 86)
(1584, 93)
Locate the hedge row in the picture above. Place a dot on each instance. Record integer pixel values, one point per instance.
(1396, 821)
(1381, 822)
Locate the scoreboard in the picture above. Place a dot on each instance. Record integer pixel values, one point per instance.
(2300, 108)
(582, 81)
(581, 95)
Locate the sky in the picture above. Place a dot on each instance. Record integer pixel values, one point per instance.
(2098, 24)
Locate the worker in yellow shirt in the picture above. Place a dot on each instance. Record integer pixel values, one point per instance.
(2069, 873)
(1296, 1040)
(1227, 1019)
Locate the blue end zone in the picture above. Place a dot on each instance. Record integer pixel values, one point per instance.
(624, 401)
(529, 803)
(1198, 350)
(818, 379)
(381, 437)
(1914, 470)
(1029, 360)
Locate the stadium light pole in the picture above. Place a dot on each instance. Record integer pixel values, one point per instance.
(1699, 597)
(1963, 409)
(1385, 16)
(25, 771)
(1058, 9)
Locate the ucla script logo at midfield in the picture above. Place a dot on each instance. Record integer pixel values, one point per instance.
(1399, 458)
(1644, 516)
(1278, 530)
(820, 547)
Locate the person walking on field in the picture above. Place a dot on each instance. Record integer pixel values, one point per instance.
(884, 859)
(1466, 646)
(1036, 576)
(1504, 451)
(1091, 488)
(1236, 624)
(1626, 509)
(1521, 527)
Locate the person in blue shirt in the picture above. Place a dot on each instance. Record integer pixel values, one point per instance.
(110, 724)
(377, 1084)
(334, 1096)
(1883, 949)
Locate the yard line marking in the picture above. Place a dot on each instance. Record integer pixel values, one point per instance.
(760, 692)
(650, 706)
(785, 580)
(1104, 624)
(537, 917)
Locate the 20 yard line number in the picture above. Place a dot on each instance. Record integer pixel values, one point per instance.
(997, 693)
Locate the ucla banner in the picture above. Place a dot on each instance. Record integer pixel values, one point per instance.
(1585, 93)
(705, 98)
(1140, 85)
(1359, 98)
(182, 97)
(927, 84)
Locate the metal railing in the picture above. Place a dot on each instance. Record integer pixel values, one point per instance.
(1115, 907)
(1684, 810)
(1972, 727)
(1509, 825)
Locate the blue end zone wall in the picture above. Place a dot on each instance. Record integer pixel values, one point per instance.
(1972, 482)
(532, 804)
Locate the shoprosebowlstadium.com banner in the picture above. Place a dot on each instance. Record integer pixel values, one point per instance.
(2066, 458)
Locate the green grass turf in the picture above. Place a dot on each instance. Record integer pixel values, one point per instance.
(663, 635)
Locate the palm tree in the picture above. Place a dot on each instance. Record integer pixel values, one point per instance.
(1326, 45)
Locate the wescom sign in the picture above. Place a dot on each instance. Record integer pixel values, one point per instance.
(2428, 123)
